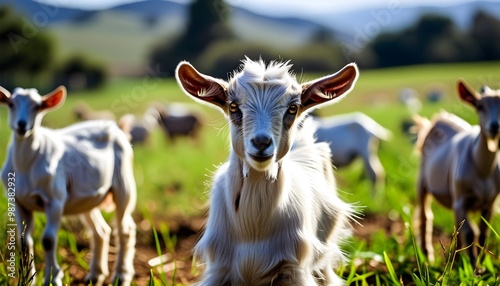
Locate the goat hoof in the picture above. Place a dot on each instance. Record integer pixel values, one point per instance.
(54, 282)
(122, 281)
(56, 279)
(95, 280)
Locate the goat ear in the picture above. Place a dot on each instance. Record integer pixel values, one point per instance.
(201, 87)
(54, 99)
(330, 87)
(4, 96)
(467, 93)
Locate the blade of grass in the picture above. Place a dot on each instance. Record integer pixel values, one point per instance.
(362, 277)
(490, 227)
(450, 256)
(391, 270)
(352, 271)
(152, 281)
(158, 247)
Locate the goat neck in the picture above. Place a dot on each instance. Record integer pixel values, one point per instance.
(487, 106)
(484, 160)
(253, 200)
(26, 150)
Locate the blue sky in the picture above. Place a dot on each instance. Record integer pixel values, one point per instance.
(275, 7)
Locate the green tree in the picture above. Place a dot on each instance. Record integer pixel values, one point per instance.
(485, 31)
(26, 52)
(206, 25)
(80, 72)
(433, 39)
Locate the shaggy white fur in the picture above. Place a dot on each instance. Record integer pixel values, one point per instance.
(275, 217)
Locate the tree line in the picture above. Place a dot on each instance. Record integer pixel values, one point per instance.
(434, 39)
(210, 44)
(28, 53)
(28, 58)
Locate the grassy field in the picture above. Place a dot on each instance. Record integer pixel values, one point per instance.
(172, 177)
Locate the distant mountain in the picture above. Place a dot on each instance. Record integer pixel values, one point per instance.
(40, 12)
(369, 19)
(43, 14)
(247, 24)
(152, 8)
(278, 31)
(345, 25)
(395, 18)
(140, 25)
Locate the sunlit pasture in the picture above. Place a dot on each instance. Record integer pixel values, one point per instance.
(173, 176)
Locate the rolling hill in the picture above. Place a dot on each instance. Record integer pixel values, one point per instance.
(122, 36)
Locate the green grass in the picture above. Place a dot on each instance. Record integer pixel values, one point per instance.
(126, 49)
(172, 177)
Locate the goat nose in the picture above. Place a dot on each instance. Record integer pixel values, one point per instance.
(21, 125)
(494, 127)
(261, 141)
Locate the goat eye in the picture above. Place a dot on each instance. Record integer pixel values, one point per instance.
(233, 107)
(479, 107)
(292, 109)
(10, 104)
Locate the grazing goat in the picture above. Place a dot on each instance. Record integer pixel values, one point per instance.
(459, 167)
(139, 129)
(409, 97)
(84, 112)
(176, 121)
(275, 217)
(69, 171)
(351, 136)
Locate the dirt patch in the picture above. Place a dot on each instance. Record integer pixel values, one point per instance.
(393, 227)
(186, 231)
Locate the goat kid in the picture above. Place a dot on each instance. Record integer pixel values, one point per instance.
(274, 216)
(459, 168)
(69, 171)
(139, 129)
(83, 112)
(354, 135)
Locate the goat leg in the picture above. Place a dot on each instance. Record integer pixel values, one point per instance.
(53, 272)
(101, 233)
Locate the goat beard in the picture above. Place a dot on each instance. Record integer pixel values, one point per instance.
(24, 134)
(271, 172)
(493, 143)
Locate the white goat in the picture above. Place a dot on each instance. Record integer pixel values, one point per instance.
(139, 129)
(84, 112)
(69, 171)
(351, 136)
(409, 97)
(274, 218)
(459, 167)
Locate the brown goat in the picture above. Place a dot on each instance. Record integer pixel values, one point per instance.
(459, 167)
